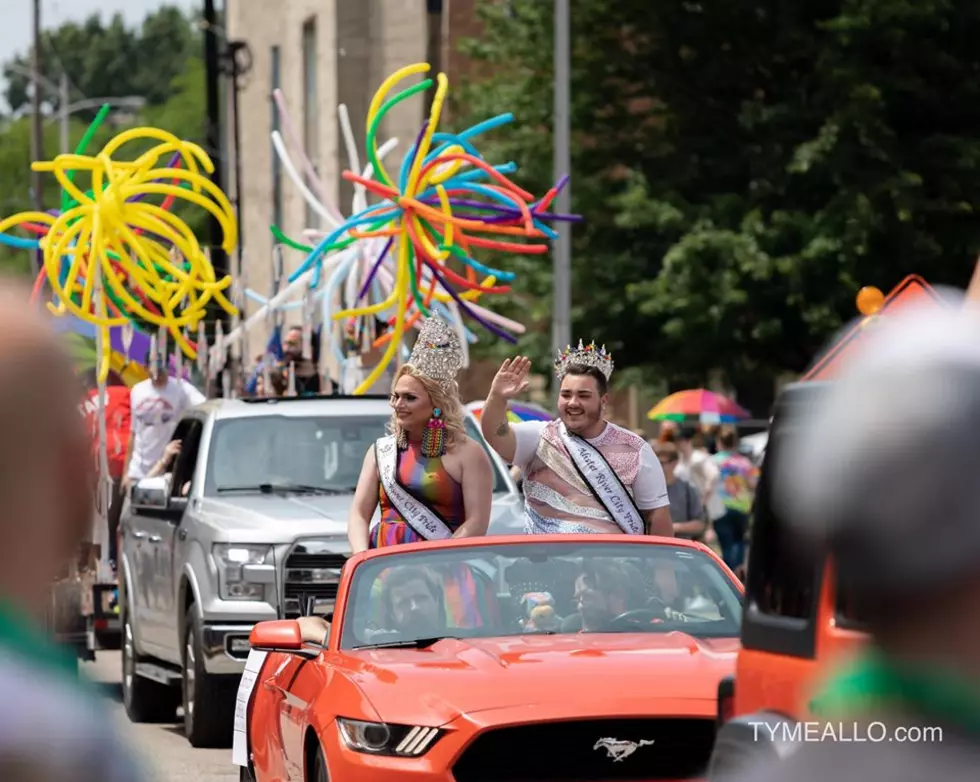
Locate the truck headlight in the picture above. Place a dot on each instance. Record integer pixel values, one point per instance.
(242, 570)
(379, 738)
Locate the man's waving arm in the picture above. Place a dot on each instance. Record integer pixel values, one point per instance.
(509, 382)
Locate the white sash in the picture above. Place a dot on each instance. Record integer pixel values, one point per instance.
(416, 514)
(604, 482)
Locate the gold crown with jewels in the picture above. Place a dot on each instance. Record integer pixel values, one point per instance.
(438, 353)
(584, 356)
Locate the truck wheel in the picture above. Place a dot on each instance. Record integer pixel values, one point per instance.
(145, 700)
(209, 701)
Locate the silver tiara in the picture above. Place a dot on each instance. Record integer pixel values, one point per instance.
(584, 356)
(438, 353)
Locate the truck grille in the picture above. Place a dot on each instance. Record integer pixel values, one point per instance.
(311, 578)
(587, 750)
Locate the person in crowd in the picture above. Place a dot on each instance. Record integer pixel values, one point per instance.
(157, 404)
(307, 378)
(117, 430)
(52, 726)
(882, 475)
(686, 510)
(433, 482)
(696, 466)
(736, 487)
(582, 473)
(602, 592)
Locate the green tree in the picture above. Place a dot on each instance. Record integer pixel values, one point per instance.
(183, 113)
(109, 60)
(745, 169)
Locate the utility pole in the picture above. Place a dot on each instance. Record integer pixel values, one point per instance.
(63, 99)
(561, 325)
(37, 134)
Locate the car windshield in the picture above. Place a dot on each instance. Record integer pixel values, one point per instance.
(299, 453)
(414, 598)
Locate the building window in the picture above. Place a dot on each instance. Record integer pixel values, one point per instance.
(311, 113)
(276, 164)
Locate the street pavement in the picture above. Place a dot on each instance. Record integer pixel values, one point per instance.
(163, 748)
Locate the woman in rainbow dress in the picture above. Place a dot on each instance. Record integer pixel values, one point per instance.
(432, 481)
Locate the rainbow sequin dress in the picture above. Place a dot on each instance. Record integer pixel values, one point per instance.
(470, 601)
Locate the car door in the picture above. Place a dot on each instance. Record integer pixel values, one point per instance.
(302, 681)
(164, 538)
(136, 551)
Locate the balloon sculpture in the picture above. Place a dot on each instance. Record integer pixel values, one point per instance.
(115, 256)
(446, 203)
(112, 256)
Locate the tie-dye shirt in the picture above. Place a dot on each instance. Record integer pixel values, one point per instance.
(736, 485)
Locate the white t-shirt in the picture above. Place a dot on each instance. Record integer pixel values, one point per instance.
(155, 412)
(702, 471)
(649, 488)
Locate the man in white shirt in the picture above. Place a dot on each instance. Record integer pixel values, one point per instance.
(582, 474)
(157, 404)
(697, 467)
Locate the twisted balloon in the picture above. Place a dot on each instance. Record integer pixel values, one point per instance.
(435, 213)
(112, 255)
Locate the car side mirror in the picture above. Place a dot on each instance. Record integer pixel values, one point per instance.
(150, 494)
(281, 635)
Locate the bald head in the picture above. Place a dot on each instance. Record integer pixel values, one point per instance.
(45, 468)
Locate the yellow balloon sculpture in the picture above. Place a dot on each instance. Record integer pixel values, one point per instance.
(117, 237)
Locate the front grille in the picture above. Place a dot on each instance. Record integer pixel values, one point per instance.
(311, 578)
(582, 751)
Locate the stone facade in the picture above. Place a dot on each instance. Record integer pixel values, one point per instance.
(358, 44)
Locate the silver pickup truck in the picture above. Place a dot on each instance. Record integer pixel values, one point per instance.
(251, 525)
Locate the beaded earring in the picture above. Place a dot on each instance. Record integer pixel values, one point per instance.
(434, 437)
(402, 441)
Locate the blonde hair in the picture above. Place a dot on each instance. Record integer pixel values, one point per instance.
(445, 396)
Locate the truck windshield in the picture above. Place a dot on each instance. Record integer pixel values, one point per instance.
(315, 452)
(305, 453)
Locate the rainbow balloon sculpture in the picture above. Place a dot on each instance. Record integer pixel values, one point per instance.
(393, 258)
(114, 257)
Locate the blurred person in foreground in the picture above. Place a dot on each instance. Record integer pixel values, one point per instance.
(883, 473)
(51, 726)
(582, 473)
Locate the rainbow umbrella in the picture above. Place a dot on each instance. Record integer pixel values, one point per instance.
(518, 412)
(698, 403)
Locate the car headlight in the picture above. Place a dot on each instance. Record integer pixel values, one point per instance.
(379, 738)
(235, 561)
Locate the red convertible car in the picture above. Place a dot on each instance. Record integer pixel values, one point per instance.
(497, 659)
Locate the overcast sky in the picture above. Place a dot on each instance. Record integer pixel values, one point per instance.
(15, 32)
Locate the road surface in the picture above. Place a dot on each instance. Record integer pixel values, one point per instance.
(163, 748)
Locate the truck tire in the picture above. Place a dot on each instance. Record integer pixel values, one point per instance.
(145, 700)
(209, 700)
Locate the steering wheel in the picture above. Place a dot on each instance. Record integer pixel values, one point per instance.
(638, 616)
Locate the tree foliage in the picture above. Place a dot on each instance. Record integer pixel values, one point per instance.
(171, 79)
(743, 168)
(108, 60)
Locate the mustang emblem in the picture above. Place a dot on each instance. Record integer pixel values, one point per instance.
(620, 750)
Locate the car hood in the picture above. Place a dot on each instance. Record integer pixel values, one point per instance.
(454, 677)
(294, 514)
